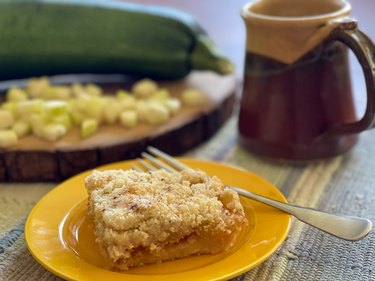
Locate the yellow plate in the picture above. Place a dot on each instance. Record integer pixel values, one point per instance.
(59, 234)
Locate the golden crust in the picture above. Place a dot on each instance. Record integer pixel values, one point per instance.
(143, 218)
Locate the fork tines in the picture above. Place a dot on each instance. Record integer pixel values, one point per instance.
(157, 159)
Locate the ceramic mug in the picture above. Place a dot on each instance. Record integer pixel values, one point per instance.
(297, 101)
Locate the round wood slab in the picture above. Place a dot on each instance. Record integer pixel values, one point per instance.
(34, 159)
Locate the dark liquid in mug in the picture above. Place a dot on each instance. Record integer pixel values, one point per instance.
(285, 109)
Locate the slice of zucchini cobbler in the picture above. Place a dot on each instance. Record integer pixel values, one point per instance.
(149, 217)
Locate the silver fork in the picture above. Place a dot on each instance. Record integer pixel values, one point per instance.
(345, 227)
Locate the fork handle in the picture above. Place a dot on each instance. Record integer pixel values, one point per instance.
(346, 227)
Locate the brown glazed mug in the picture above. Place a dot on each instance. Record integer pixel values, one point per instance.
(297, 101)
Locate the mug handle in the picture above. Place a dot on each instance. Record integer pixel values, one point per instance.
(348, 33)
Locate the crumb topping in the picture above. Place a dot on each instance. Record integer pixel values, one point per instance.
(149, 210)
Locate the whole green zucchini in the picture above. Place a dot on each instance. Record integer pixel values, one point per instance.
(47, 37)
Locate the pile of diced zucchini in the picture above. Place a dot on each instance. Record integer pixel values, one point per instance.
(50, 111)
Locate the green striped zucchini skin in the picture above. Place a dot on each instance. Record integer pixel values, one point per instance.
(47, 37)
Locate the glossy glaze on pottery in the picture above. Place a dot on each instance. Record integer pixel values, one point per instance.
(297, 101)
(285, 108)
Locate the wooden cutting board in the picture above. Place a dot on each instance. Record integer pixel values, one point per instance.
(34, 159)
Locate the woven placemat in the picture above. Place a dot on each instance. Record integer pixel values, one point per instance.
(341, 185)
